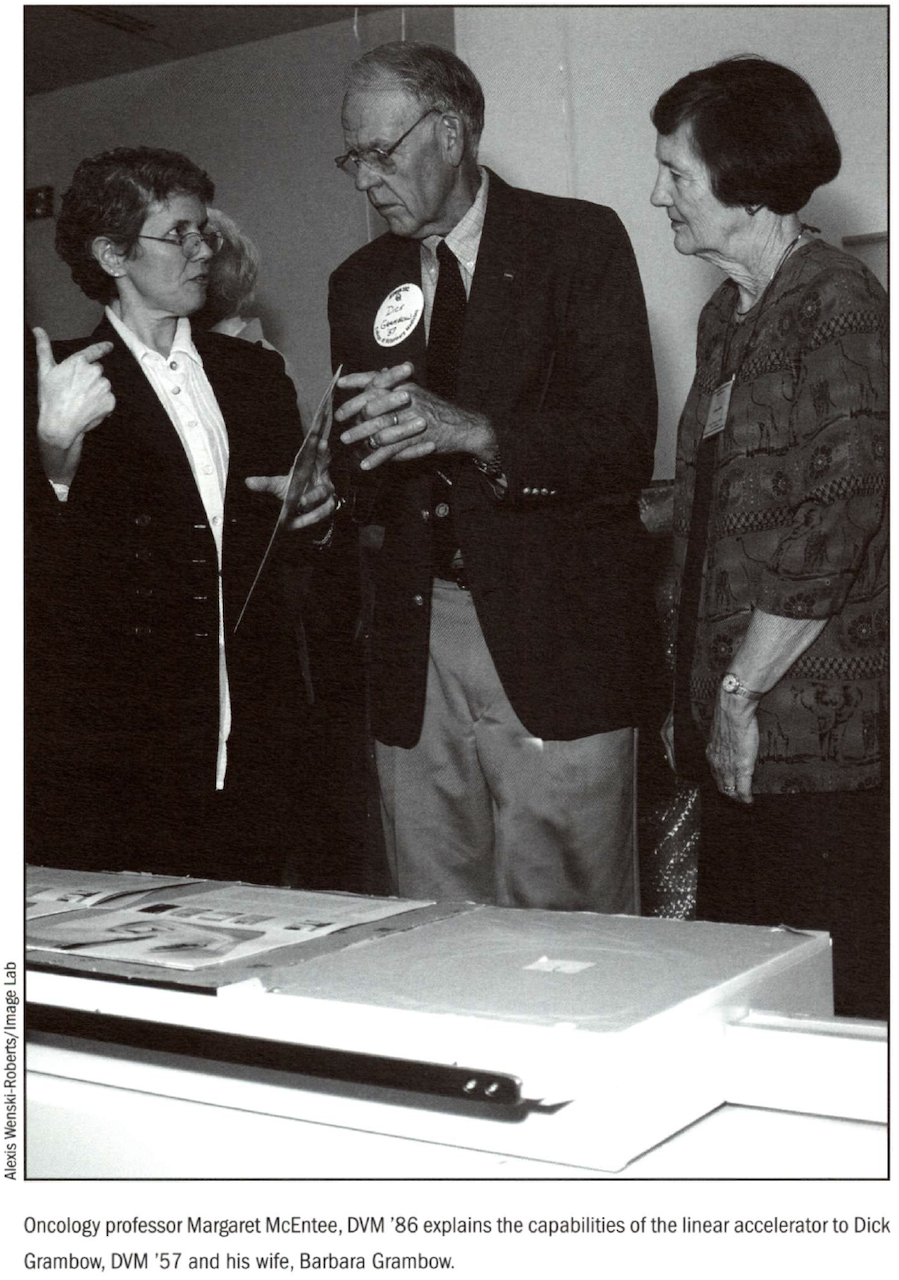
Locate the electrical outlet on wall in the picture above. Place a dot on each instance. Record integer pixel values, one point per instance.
(38, 203)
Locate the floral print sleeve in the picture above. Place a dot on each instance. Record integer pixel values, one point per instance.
(795, 522)
(831, 467)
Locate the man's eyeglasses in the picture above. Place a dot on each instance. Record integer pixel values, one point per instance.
(190, 242)
(377, 158)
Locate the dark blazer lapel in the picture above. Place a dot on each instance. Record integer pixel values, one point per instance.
(234, 398)
(139, 412)
(127, 379)
(495, 289)
(401, 266)
(133, 392)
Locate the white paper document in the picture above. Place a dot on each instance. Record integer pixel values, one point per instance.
(205, 927)
(49, 890)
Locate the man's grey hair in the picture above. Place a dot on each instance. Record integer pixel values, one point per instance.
(436, 77)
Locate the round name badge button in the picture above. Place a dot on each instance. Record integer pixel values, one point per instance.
(398, 314)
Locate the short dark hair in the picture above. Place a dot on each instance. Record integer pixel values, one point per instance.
(109, 196)
(435, 76)
(759, 129)
(232, 273)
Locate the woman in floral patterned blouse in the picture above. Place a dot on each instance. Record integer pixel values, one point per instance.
(780, 525)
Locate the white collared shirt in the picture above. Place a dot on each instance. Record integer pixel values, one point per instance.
(185, 393)
(464, 241)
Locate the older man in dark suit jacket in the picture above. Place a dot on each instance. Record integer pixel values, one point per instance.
(506, 443)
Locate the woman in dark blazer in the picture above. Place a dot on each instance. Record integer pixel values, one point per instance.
(160, 738)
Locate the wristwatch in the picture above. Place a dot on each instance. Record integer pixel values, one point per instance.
(733, 684)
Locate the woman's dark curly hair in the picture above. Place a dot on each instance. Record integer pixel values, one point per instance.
(109, 196)
(758, 128)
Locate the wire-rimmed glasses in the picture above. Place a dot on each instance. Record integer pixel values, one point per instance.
(189, 242)
(378, 158)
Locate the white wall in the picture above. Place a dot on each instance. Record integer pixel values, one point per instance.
(264, 120)
(569, 92)
(568, 97)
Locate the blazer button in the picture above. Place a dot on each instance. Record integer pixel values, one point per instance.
(142, 520)
(142, 632)
(143, 554)
(418, 601)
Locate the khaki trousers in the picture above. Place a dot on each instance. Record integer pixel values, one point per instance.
(481, 811)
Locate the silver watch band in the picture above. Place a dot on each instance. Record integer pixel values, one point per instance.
(733, 684)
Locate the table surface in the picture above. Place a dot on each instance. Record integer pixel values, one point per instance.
(78, 1129)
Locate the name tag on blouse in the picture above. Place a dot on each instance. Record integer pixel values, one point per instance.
(718, 407)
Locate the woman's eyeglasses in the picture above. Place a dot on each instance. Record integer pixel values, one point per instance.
(189, 243)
